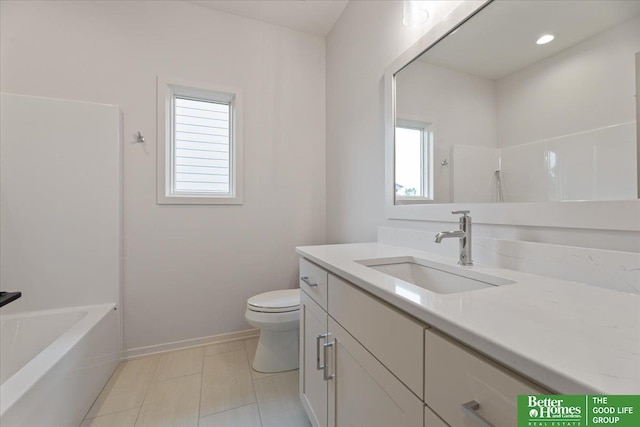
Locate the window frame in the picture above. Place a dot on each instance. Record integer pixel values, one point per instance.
(426, 162)
(167, 91)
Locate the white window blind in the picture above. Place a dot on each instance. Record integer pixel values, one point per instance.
(200, 143)
(201, 146)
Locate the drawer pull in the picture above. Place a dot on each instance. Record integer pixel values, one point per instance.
(326, 365)
(306, 280)
(470, 409)
(318, 338)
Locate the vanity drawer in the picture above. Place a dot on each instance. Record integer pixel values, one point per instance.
(455, 375)
(392, 337)
(313, 280)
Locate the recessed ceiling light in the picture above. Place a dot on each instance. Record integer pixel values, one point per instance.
(547, 38)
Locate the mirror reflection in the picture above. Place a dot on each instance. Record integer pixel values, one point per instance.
(527, 101)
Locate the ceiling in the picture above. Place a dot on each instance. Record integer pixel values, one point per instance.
(501, 39)
(309, 16)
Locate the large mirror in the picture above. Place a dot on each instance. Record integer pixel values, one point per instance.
(527, 101)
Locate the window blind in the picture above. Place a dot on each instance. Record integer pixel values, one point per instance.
(201, 139)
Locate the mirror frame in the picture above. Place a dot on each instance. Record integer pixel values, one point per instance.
(588, 214)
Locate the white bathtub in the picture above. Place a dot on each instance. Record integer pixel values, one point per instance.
(54, 363)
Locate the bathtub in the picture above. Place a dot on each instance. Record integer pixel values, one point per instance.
(54, 363)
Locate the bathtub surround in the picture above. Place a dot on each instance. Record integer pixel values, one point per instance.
(60, 215)
(214, 257)
(589, 165)
(60, 242)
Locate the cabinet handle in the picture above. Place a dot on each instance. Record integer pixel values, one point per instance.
(318, 338)
(326, 365)
(306, 280)
(470, 409)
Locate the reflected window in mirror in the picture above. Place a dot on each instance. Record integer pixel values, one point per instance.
(413, 162)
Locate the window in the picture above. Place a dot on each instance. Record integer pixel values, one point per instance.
(200, 144)
(413, 162)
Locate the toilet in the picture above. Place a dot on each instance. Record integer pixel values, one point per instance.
(277, 315)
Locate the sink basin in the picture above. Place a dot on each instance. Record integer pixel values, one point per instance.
(435, 277)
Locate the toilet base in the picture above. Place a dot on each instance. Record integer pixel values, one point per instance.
(277, 351)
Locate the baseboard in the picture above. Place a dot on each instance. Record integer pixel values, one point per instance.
(138, 352)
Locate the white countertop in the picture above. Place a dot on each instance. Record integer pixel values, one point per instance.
(569, 337)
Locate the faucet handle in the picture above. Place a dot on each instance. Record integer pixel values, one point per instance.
(464, 213)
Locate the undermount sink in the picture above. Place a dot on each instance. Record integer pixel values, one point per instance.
(435, 277)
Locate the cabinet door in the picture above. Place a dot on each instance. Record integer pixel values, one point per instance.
(313, 388)
(362, 391)
(392, 337)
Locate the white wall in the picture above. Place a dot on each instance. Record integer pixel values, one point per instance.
(366, 39)
(188, 270)
(358, 52)
(461, 109)
(590, 85)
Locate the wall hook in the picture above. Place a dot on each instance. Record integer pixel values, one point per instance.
(444, 162)
(139, 138)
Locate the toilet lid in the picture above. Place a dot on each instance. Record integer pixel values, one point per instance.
(275, 301)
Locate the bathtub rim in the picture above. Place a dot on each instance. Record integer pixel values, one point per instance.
(24, 379)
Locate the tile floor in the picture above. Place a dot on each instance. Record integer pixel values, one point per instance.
(211, 386)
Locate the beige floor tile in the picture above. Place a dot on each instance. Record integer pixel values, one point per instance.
(171, 403)
(244, 416)
(224, 347)
(251, 345)
(126, 387)
(226, 382)
(278, 401)
(119, 419)
(179, 363)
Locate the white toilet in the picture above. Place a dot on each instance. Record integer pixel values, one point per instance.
(277, 315)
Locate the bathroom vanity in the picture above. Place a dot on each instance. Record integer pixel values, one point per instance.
(382, 345)
(479, 115)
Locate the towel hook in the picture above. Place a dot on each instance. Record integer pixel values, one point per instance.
(139, 138)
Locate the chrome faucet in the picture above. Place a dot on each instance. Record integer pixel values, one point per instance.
(464, 234)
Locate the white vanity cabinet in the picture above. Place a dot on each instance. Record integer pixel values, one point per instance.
(395, 339)
(362, 392)
(313, 281)
(313, 387)
(344, 384)
(364, 362)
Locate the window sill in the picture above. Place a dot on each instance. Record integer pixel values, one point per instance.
(198, 200)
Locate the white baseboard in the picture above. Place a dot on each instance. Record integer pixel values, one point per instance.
(138, 352)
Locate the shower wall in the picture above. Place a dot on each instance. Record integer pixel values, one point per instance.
(60, 202)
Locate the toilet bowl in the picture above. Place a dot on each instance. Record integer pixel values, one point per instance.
(277, 315)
